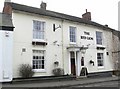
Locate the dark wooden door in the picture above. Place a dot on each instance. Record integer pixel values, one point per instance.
(73, 69)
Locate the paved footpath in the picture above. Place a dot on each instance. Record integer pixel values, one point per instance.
(62, 83)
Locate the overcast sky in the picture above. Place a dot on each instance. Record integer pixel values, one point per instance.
(102, 11)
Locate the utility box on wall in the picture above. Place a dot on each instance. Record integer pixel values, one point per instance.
(6, 55)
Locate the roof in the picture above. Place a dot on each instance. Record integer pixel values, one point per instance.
(40, 11)
(5, 20)
(116, 33)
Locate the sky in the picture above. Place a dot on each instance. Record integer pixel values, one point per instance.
(102, 11)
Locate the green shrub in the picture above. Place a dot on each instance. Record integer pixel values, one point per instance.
(25, 71)
(58, 71)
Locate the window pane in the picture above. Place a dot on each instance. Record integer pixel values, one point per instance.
(33, 57)
(39, 57)
(42, 57)
(36, 57)
(82, 61)
(99, 38)
(33, 66)
(42, 62)
(72, 34)
(100, 59)
(38, 29)
(42, 66)
(36, 67)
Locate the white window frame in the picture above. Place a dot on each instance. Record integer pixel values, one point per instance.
(72, 34)
(37, 54)
(101, 59)
(39, 31)
(99, 40)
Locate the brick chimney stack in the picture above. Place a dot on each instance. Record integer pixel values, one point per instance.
(87, 15)
(7, 9)
(43, 5)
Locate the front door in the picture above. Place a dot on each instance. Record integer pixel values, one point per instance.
(72, 59)
(73, 67)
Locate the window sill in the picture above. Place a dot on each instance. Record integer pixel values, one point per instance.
(39, 40)
(101, 67)
(72, 43)
(39, 70)
(101, 47)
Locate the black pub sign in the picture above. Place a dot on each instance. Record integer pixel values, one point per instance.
(87, 37)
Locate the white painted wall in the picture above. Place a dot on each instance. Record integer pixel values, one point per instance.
(23, 23)
(91, 52)
(6, 56)
(1, 67)
(23, 39)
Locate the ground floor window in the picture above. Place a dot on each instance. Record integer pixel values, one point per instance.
(82, 61)
(38, 59)
(100, 59)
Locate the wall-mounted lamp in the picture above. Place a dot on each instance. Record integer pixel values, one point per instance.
(56, 63)
(107, 53)
(54, 28)
(83, 49)
(91, 62)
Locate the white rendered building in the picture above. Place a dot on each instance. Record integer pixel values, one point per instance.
(6, 48)
(43, 37)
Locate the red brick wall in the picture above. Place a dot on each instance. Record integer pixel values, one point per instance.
(87, 16)
(7, 9)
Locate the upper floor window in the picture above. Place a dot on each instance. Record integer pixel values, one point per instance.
(100, 59)
(38, 29)
(99, 38)
(72, 31)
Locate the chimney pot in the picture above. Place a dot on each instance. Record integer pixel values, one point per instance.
(7, 0)
(87, 15)
(106, 25)
(86, 10)
(43, 5)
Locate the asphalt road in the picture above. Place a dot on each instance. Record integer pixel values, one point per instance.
(110, 85)
(103, 84)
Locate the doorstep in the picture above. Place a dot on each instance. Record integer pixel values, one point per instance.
(81, 77)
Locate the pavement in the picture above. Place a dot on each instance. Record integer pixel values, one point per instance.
(62, 83)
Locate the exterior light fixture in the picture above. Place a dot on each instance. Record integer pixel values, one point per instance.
(91, 62)
(56, 63)
(54, 28)
(83, 49)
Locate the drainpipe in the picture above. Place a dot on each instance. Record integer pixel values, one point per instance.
(62, 44)
(119, 52)
(75, 63)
